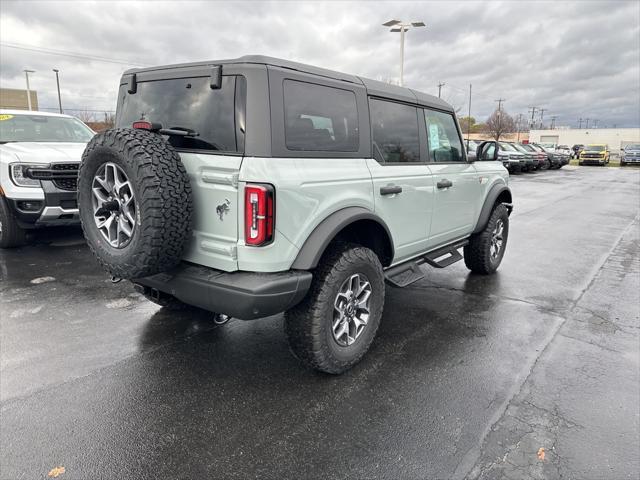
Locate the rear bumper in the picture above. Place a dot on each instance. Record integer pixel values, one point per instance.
(244, 295)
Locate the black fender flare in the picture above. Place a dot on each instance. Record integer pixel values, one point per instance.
(494, 192)
(315, 245)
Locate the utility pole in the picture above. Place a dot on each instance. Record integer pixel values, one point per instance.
(500, 100)
(402, 27)
(553, 121)
(519, 124)
(587, 120)
(58, 84)
(440, 85)
(533, 112)
(595, 123)
(469, 118)
(26, 75)
(542, 110)
(580, 123)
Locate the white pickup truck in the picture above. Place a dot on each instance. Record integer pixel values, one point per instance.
(39, 157)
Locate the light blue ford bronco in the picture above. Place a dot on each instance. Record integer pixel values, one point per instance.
(255, 186)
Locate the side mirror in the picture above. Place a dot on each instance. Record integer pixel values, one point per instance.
(487, 151)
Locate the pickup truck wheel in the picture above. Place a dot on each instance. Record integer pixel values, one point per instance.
(485, 250)
(135, 202)
(11, 235)
(333, 327)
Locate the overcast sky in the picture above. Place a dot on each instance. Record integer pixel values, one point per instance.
(574, 59)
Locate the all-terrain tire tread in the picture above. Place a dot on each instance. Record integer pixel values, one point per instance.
(304, 322)
(163, 195)
(477, 256)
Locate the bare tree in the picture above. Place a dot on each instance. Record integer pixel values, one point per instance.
(499, 123)
(109, 120)
(85, 116)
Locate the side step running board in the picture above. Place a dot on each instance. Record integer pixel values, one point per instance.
(410, 272)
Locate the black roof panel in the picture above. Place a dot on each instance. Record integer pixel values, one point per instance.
(374, 87)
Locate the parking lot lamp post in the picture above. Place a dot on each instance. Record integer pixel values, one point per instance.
(26, 76)
(402, 27)
(58, 84)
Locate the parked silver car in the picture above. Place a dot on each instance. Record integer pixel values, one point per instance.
(630, 154)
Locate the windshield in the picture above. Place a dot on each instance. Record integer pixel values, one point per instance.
(595, 148)
(506, 146)
(41, 128)
(635, 146)
(519, 147)
(528, 148)
(215, 116)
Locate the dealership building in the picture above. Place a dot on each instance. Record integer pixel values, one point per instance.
(16, 99)
(616, 138)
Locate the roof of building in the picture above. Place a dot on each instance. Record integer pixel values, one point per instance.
(373, 86)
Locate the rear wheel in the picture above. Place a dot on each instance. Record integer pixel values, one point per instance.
(11, 235)
(334, 326)
(485, 250)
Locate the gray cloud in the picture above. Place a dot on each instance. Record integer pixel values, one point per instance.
(575, 59)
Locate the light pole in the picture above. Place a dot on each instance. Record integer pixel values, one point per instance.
(26, 75)
(58, 84)
(402, 27)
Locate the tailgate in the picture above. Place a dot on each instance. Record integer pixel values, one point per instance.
(214, 186)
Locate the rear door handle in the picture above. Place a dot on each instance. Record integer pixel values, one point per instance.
(390, 190)
(444, 183)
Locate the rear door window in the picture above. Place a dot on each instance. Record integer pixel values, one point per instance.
(394, 127)
(215, 116)
(443, 138)
(319, 118)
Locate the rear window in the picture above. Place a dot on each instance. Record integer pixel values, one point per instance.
(319, 118)
(217, 116)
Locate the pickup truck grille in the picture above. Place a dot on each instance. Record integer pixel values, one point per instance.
(70, 184)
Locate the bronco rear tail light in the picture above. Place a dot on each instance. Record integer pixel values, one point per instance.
(142, 125)
(258, 214)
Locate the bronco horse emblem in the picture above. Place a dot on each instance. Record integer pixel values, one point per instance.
(223, 208)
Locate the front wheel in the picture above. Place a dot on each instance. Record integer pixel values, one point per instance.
(334, 326)
(483, 254)
(11, 235)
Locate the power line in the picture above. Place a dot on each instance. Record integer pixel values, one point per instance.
(65, 53)
(500, 100)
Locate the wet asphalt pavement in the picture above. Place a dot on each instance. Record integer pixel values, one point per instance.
(469, 377)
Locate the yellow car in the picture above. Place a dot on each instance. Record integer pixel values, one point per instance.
(595, 154)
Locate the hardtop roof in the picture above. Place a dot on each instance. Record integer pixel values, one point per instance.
(373, 87)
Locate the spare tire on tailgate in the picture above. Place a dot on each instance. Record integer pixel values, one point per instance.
(135, 202)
